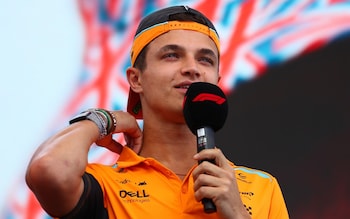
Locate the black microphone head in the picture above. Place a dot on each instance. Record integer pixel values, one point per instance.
(205, 105)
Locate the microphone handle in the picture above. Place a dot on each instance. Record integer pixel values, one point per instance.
(206, 140)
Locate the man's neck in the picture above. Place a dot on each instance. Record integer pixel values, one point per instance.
(172, 145)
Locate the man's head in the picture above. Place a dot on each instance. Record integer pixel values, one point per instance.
(158, 23)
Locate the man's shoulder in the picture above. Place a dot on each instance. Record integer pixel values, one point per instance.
(244, 173)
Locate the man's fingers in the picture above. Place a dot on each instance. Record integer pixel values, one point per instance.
(134, 143)
(213, 154)
(109, 143)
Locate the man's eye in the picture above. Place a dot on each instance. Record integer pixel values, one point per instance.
(170, 55)
(207, 60)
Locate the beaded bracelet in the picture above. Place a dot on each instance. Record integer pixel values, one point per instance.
(107, 118)
(111, 120)
(114, 124)
(103, 122)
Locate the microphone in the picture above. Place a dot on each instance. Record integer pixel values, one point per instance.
(205, 110)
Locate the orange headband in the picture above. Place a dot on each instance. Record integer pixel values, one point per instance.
(149, 34)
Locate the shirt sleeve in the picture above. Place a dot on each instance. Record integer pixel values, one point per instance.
(90, 205)
(278, 206)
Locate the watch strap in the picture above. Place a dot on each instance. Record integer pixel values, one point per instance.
(95, 116)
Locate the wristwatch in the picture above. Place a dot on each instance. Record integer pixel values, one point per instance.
(95, 117)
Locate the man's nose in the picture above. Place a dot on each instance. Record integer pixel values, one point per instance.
(190, 67)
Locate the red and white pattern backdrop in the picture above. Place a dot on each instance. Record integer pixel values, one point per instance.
(254, 35)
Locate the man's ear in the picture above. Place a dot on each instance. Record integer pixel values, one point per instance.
(134, 78)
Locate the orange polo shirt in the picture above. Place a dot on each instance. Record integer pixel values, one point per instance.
(138, 187)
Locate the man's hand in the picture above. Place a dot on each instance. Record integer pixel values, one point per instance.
(218, 182)
(127, 125)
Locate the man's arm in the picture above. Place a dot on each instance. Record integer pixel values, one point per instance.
(55, 171)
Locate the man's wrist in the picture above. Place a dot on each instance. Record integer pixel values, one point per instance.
(103, 119)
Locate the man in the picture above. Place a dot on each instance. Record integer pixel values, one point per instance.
(173, 48)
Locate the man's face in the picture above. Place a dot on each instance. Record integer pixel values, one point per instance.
(174, 61)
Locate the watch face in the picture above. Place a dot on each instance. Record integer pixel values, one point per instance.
(80, 117)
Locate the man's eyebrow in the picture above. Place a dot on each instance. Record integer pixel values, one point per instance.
(209, 52)
(173, 47)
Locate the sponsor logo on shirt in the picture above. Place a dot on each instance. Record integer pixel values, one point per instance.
(137, 194)
(248, 195)
(249, 209)
(134, 195)
(242, 177)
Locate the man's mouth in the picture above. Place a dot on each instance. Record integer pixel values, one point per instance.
(183, 86)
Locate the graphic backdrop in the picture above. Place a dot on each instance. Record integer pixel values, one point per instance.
(254, 36)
